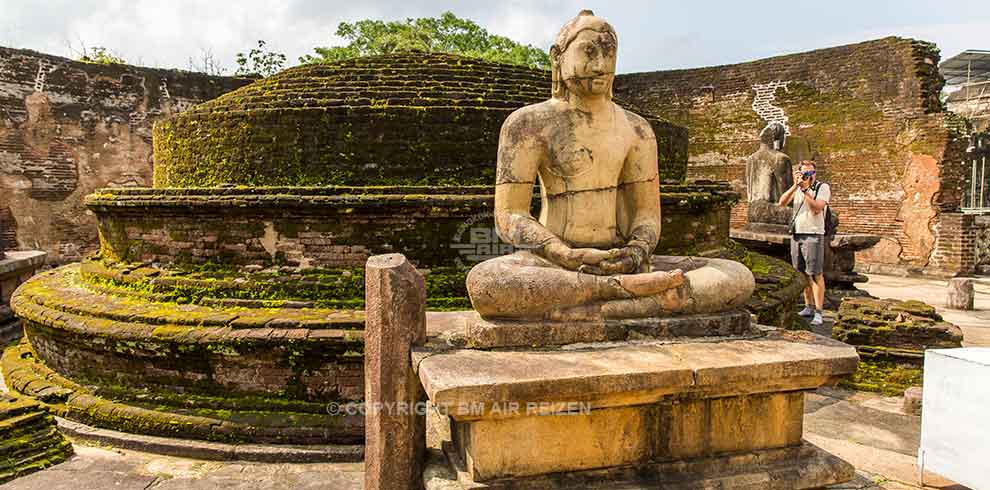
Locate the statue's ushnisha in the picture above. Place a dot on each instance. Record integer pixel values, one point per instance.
(588, 256)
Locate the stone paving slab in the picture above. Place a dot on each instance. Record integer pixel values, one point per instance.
(105, 468)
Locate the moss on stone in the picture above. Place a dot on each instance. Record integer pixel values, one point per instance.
(29, 440)
(884, 376)
(394, 119)
(214, 418)
(778, 286)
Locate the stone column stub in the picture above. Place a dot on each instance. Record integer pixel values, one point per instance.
(395, 430)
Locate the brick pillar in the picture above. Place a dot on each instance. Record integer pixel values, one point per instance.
(395, 432)
(954, 252)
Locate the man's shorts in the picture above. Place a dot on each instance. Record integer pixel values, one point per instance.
(808, 253)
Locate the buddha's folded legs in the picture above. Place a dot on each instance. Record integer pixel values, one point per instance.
(525, 285)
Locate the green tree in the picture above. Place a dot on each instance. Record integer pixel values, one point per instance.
(445, 34)
(100, 56)
(259, 61)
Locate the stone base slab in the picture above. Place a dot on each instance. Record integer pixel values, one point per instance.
(774, 236)
(803, 466)
(18, 261)
(623, 374)
(529, 413)
(479, 333)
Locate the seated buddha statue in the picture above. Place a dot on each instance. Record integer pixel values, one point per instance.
(588, 256)
(768, 176)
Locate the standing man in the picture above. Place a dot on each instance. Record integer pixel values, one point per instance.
(809, 200)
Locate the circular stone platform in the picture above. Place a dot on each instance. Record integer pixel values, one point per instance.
(230, 374)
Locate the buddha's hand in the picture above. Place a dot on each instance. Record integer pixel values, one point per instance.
(626, 260)
(573, 259)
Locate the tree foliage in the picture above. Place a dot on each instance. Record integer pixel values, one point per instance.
(100, 56)
(260, 61)
(445, 34)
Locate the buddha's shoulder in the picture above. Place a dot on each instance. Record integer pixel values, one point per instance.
(529, 122)
(637, 123)
(539, 113)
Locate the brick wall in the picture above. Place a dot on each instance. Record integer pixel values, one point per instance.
(869, 113)
(341, 226)
(68, 128)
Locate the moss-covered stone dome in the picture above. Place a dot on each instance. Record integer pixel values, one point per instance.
(411, 118)
(400, 119)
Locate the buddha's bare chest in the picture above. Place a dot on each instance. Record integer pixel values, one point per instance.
(590, 160)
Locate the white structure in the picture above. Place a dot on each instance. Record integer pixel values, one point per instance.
(955, 433)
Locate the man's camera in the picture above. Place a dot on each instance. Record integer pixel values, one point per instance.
(807, 174)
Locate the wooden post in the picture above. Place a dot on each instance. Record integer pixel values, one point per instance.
(395, 426)
(959, 294)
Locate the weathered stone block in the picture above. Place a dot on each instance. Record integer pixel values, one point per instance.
(395, 431)
(891, 336)
(959, 294)
(898, 327)
(913, 400)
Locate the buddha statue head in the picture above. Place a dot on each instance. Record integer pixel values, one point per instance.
(582, 59)
(773, 136)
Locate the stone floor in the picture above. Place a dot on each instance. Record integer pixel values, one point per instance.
(864, 428)
(109, 468)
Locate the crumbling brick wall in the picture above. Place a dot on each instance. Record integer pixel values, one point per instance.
(68, 128)
(869, 113)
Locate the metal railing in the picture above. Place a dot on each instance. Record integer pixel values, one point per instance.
(976, 197)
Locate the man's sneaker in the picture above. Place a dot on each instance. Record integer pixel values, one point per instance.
(817, 321)
(807, 311)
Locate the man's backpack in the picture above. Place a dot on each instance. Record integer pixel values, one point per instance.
(831, 220)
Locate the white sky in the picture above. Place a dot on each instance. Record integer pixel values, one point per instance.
(653, 35)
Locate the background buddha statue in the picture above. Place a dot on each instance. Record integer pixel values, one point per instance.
(768, 175)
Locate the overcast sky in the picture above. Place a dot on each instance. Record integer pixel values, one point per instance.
(653, 35)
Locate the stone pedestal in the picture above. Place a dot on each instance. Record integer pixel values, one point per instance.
(15, 268)
(959, 294)
(840, 256)
(679, 412)
(912, 403)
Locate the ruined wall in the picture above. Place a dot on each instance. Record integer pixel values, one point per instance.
(68, 128)
(868, 112)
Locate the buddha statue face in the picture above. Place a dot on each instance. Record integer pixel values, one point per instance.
(583, 58)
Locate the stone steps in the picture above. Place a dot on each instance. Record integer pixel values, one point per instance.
(273, 423)
(29, 440)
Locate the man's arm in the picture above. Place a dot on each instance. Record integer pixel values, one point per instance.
(788, 196)
(782, 172)
(819, 204)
